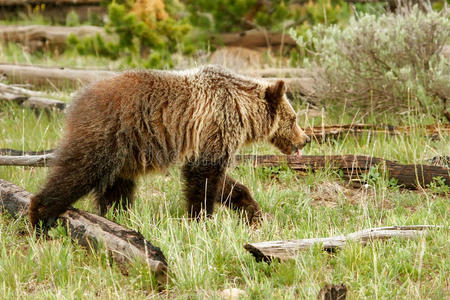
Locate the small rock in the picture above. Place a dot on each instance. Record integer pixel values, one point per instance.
(233, 293)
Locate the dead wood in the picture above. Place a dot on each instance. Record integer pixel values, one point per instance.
(352, 166)
(320, 133)
(43, 160)
(283, 250)
(52, 76)
(91, 231)
(42, 37)
(28, 98)
(62, 77)
(332, 292)
(13, 152)
(254, 38)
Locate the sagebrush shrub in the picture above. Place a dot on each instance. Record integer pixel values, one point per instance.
(383, 62)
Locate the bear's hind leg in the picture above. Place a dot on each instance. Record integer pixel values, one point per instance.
(235, 195)
(120, 194)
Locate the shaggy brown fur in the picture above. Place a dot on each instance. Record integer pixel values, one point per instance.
(138, 122)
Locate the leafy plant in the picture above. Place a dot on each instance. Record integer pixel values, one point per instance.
(72, 19)
(376, 178)
(231, 15)
(382, 62)
(439, 186)
(146, 39)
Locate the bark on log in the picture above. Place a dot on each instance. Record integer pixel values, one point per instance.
(332, 292)
(320, 133)
(27, 98)
(43, 160)
(62, 77)
(52, 76)
(353, 166)
(283, 250)
(254, 38)
(13, 152)
(91, 230)
(42, 37)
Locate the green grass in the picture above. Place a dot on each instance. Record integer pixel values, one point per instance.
(15, 53)
(207, 257)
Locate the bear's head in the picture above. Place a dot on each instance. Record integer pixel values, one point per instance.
(288, 136)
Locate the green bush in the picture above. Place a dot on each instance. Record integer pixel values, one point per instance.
(232, 15)
(381, 62)
(147, 43)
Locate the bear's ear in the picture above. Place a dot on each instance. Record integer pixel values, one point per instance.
(274, 94)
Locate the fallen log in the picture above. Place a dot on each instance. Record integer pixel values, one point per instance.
(42, 37)
(28, 98)
(52, 76)
(63, 77)
(43, 160)
(254, 38)
(320, 133)
(284, 250)
(13, 152)
(91, 231)
(352, 166)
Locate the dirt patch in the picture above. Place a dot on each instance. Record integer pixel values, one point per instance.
(329, 194)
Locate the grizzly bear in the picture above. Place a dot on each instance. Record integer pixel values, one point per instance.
(142, 121)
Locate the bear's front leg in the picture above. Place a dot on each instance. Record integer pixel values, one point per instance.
(202, 180)
(237, 196)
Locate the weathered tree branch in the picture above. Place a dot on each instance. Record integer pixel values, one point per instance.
(319, 133)
(42, 37)
(43, 160)
(62, 77)
(28, 98)
(283, 250)
(52, 76)
(13, 152)
(352, 166)
(91, 230)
